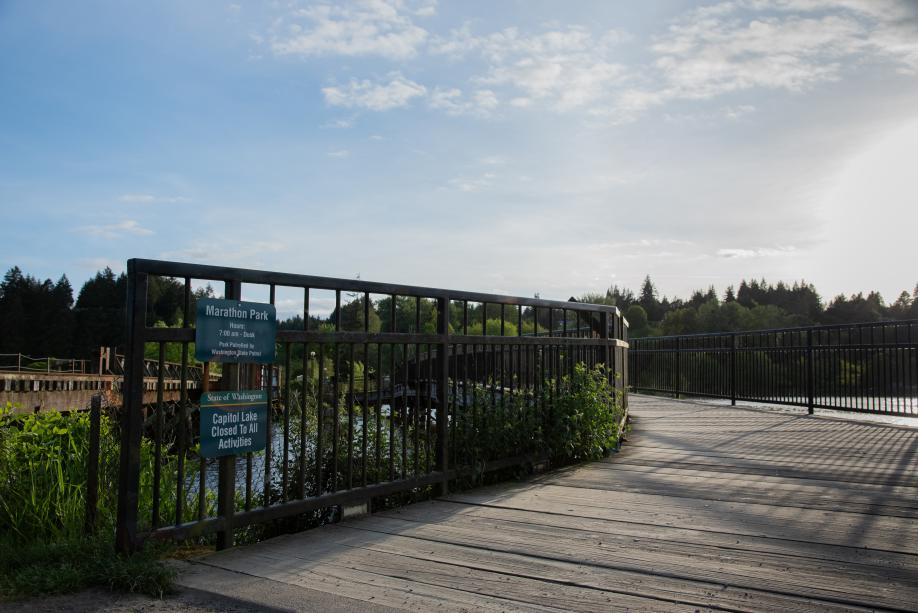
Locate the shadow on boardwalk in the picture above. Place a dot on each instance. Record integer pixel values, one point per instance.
(705, 507)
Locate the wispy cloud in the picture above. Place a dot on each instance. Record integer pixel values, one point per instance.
(758, 252)
(379, 27)
(396, 92)
(340, 123)
(791, 45)
(338, 154)
(473, 184)
(146, 198)
(712, 51)
(223, 252)
(122, 229)
(564, 68)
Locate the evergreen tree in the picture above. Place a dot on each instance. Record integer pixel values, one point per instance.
(648, 300)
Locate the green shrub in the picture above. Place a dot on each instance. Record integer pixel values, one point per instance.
(43, 470)
(40, 568)
(585, 417)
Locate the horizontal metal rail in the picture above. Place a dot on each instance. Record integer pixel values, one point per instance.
(866, 368)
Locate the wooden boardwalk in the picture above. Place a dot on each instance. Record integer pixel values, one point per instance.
(706, 507)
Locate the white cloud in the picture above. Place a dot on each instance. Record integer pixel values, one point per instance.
(128, 227)
(792, 45)
(398, 92)
(708, 52)
(481, 103)
(342, 124)
(373, 27)
(339, 154)
(151, 199)
(225, 251)
(565, 68)
(473, 184)
(760, 252)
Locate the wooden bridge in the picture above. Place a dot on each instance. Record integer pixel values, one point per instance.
(705, 507)
(67, 385)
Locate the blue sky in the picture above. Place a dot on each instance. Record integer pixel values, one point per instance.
(517, 147)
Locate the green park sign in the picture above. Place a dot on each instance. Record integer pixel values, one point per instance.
(233, 423)
(234, 331)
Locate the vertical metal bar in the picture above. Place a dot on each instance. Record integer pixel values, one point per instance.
(810, 372)
(379, 396)
(350, 416)
(285, 466)
(132, 415)
(337, 315)
(92, 468)
(158, 434)
(304, 395)
(336, 422)
(249, 368)
(404, 415)
(392, 405)
(416, 409)
(267, 384)
(442, 464)
(366, 390)
(678, 385)
(320, 420)
(226, 491)
(428, 402)
(733, 369)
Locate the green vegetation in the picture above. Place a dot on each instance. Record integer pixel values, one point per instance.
(38, 568)
(44, 547)
(756, 305)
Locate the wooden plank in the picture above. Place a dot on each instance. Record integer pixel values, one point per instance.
(441, 511)
(781, 459)
(347, 551)
(401, 573)
(805, 525)
(780, 574)
(710, 485)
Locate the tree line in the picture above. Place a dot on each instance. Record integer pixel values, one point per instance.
(41, 317)
(754, 305)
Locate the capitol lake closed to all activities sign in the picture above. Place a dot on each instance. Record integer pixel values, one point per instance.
(233, 422)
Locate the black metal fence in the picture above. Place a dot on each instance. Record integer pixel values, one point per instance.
(382, 389)
(870, 367)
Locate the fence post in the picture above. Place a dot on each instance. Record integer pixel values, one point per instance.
(810, 372)
(733, 369)
(678, 365)
(131, 412)
(226, 478)
(92, 468)
(442, 461)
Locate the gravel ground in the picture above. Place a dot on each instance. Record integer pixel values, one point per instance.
(190, 601)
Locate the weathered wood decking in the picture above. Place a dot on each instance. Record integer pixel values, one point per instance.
(705, 507)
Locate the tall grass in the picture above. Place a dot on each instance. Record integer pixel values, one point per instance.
(43, 474)
(44, 548)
